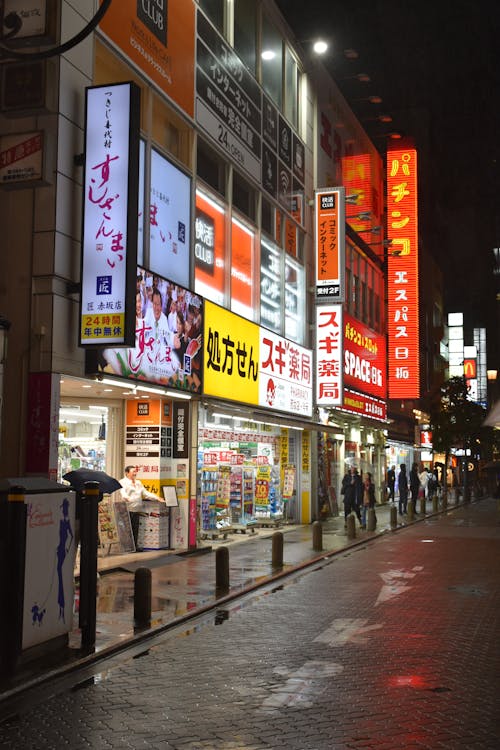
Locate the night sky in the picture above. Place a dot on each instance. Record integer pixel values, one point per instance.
(435, 66)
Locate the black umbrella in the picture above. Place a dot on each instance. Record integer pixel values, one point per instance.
(78, 477)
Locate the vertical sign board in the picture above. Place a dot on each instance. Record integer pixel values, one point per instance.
(330, 243)
(329, 355)
(110, 221)
(402, 274)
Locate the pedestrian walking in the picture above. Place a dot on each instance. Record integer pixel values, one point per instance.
(352, 490)
(403, 490)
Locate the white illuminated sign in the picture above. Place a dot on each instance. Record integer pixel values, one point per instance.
(329, 354)
(285, 374)
(108, 239)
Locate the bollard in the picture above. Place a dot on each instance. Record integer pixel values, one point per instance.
(435, 504)
(142, 598)
(14, 587)
(422, 505)
(444, 500)
(411, 510)
(371, 521)
(394, 517)
(317, 536)
(277, 549)
(351, 526)
(88, 564)
(222, 569)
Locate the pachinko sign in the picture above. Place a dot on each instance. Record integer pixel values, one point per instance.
(109, 253)
(329, 347)
(364, 359)
(330, 243)
(402, 274)
(247, 363)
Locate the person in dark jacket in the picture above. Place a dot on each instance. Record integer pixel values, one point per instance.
(368, 497)
(414, 485)
(391, 482)
(352, 490)
(403, 490)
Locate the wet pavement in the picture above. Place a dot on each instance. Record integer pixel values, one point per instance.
(390, 645)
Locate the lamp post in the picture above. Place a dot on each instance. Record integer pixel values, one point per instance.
(4, 327)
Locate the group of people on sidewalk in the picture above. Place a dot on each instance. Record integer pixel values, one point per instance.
(415, 486)
(359, 495)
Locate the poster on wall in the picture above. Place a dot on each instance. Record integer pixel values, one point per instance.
(49, 571)
(168, 337)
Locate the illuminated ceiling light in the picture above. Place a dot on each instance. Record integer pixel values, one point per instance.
(109, 381)
(268, 54)
(178, 394)
(147, 389)
(320, 47)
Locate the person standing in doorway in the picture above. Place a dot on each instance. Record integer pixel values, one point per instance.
(414, 485)
(352, 490)
(134, 492)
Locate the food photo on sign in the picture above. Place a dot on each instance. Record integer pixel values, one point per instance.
(168, 337)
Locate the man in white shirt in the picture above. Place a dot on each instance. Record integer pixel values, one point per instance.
(134, 492)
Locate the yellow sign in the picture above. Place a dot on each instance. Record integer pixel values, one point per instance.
(231, 356)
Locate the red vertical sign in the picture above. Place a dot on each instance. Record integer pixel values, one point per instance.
(402, 275)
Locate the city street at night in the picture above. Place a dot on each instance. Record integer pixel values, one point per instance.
(390, 644)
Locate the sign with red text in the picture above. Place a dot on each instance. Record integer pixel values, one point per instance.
(247, 363)
(402, 274)
(329, 347)
(364, 359)
(329, 238)
(110, 207)
(360, 403)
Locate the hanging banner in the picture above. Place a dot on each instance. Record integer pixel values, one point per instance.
(329, 348)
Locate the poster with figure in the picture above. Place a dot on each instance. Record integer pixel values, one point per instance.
(49, 568)
(123, 527)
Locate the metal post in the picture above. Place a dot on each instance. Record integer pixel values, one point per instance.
(371, 521)
(435, 504)
(411, 510)
(88, 563)
(317, 536)
(222, 569)
(14, 588)
(422, 505)
(394, 517)
(351, 526)
(277, 549)
(142, 598)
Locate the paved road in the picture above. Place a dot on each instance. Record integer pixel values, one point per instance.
(389, 645)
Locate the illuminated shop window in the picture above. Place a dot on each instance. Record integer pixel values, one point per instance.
(242, 266)
(294, 300)
(282, 305)
(210, 248)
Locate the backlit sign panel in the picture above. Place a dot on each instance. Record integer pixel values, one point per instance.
(330, 243)
(244, 362)
(169, 220)
(402, 275)
(159, 38)
(110, 222)
(329, 348)
(364, 359)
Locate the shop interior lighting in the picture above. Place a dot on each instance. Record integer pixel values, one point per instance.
(147, 389)
(178, 394)
(108, 381)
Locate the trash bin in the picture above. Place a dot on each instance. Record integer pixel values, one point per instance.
(37, 545)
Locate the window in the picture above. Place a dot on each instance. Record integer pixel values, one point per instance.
(214, 10)
(282, 307)
(245, 32)
(210, 248)
(271, 300)
(210, 168)
(272, 62)
(291, 88)
(244, 197)
(243, 281)
(294, 300)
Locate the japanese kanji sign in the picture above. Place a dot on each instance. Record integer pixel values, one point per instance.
(109, 252)
(402, 274)
(330, 243)
(329, 348)
(247, 363)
